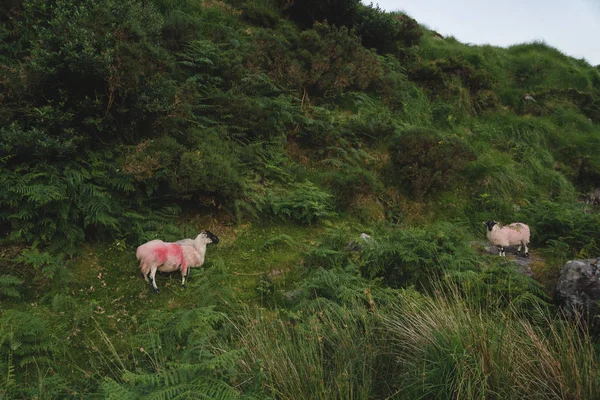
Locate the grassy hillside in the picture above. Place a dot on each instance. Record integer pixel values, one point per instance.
(286, 128)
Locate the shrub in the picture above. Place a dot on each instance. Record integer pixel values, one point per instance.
(260, 13)
(557, 224)
(321, 62)
(302, 202)
(111, 46)
(213, 169)
(424, 162)
(350, 183)
(415, 256)
(385, 31)
(307, 12)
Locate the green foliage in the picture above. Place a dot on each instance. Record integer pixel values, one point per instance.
(414, 256)
(213, 169)
(425, 162)
(122, 121)
(179, 359)
(314, 356)
(50, 265)
(31, 346)
(575, 145)
(444, 345)
(499, 284)
(110, 46)
(303, 202)
(349, 175)
(566, 225)
(261, 13)
(537, 64)
(9, 286)
(320, 62)
(307, 12)
(386, 31)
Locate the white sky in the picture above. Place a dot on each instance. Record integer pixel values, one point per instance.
(571, 26)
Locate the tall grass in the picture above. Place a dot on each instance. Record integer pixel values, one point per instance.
(324, 352)
(449, 349)
(537, 64)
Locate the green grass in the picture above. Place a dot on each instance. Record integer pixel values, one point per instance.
(297, 130)
(446, 346)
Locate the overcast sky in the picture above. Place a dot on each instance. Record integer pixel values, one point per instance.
(571, 26)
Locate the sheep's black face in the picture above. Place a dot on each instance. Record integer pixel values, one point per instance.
(214, 239)
(490, 224)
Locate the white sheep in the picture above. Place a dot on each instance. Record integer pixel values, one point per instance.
(157, 255)
(511, 235)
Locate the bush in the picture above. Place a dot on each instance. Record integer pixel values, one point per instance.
(307, 12)
(260, 13)
(349, 183)
(424, 162)
(111, 46)
(385, 31)
(324, 61)
(416, 256)
(213, 169)
(301, 202)
(558, 224)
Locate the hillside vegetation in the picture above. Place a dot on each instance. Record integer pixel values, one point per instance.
(287, 128)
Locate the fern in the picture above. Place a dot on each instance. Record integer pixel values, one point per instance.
(115, 391)
(189, 337)
(302, 202)
(8, 286)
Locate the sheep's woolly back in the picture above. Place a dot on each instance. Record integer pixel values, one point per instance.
(157, 252)
(186, 242)
(511, 235)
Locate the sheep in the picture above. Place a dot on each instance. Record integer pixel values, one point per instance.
(157, 255)
(514, 234)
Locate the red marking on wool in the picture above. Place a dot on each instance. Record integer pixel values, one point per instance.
(161, 254)
(175, 250)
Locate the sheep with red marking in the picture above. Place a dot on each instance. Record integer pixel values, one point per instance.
(157, 255)
(510, 235)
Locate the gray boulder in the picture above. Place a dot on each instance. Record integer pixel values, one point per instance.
(578, 289)
(358, 243)
(523, 263)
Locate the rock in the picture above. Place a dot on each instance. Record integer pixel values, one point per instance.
(511, 254)
(293, 296)
(356, 244)
(593, 197)
(524, 267)
(578, 289)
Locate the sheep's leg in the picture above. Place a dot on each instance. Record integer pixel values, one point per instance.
(143, 271)
(501, 252)
(526, 250)
(183, 279)
(519, 250)
(152, 278)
